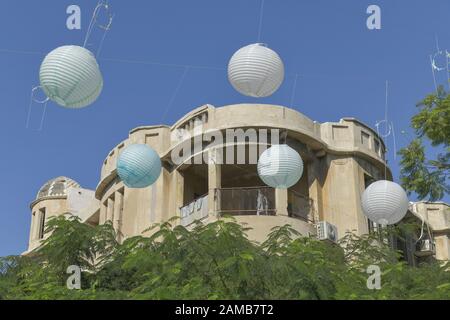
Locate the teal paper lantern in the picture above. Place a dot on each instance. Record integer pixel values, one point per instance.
(139, 166)
(280, 166)
(71, 77)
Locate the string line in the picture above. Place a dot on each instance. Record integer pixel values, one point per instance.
(175, 93)
(261, 14)
(29, 109)
(433, 72)
(101, 44)
(90, 27)
(386, 126)
(190, 66)
(294, 88)
(43, 116)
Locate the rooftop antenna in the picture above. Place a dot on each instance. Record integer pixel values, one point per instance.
(437, 67)
(388, 128)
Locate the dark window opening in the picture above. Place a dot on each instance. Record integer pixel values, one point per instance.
(41, 223)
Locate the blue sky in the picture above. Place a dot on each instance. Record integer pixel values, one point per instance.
(342, 68)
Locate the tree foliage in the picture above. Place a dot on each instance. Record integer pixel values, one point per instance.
(213, 261)
(429, 177)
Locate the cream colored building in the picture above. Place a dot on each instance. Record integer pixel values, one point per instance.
(340, 160)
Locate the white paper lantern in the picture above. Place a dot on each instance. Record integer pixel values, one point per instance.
(139, 166)
(71, 77)
(256, 71)
(385, 202)
(280, 166)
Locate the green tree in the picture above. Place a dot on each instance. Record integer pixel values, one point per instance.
(213, 261)
(428, 177)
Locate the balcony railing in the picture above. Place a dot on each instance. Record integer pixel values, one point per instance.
(245, 201)
(195, 210)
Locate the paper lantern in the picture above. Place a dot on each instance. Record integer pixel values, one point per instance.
(384, 202)
(256, 71)
(138, 166)
(280, 166)
(71, 77)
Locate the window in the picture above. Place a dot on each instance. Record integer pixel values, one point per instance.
(41, 223)
(150, 137)
(365, 138)
(377, 147)
(340, 133)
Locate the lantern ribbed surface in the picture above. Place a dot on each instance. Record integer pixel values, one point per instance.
(71, 77)
(138, 166)
(280, 166)
(384, 202)
(256, 71)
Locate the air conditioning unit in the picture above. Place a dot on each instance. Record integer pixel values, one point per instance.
(426, 247)
(326, 231)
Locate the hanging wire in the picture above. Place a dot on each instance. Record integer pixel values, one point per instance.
(388, 126)
(433, 72)
(101, 5)
(43, 116)
(175, 93)
(395, 141)
(294, 88)
(153, 63)
(386, 106)
(447, 56)
(261, 14)
(436, 39)
(436, 68)
(176, 65)
(35, 100)
(29, 109)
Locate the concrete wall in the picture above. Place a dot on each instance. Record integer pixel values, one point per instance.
(437, 215)
(52, 207)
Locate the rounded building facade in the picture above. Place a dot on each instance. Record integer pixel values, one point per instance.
(340, 160)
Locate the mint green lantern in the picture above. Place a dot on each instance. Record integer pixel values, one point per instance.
(71, 77)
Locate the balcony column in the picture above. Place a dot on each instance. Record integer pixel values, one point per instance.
(281, 202)
(110, 210)
(314, 189)
(118, 209)
(214, 181)
(177, 194)
(103, 212)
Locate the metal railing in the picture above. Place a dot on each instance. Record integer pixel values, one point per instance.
(245, 201)
(197, 209)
